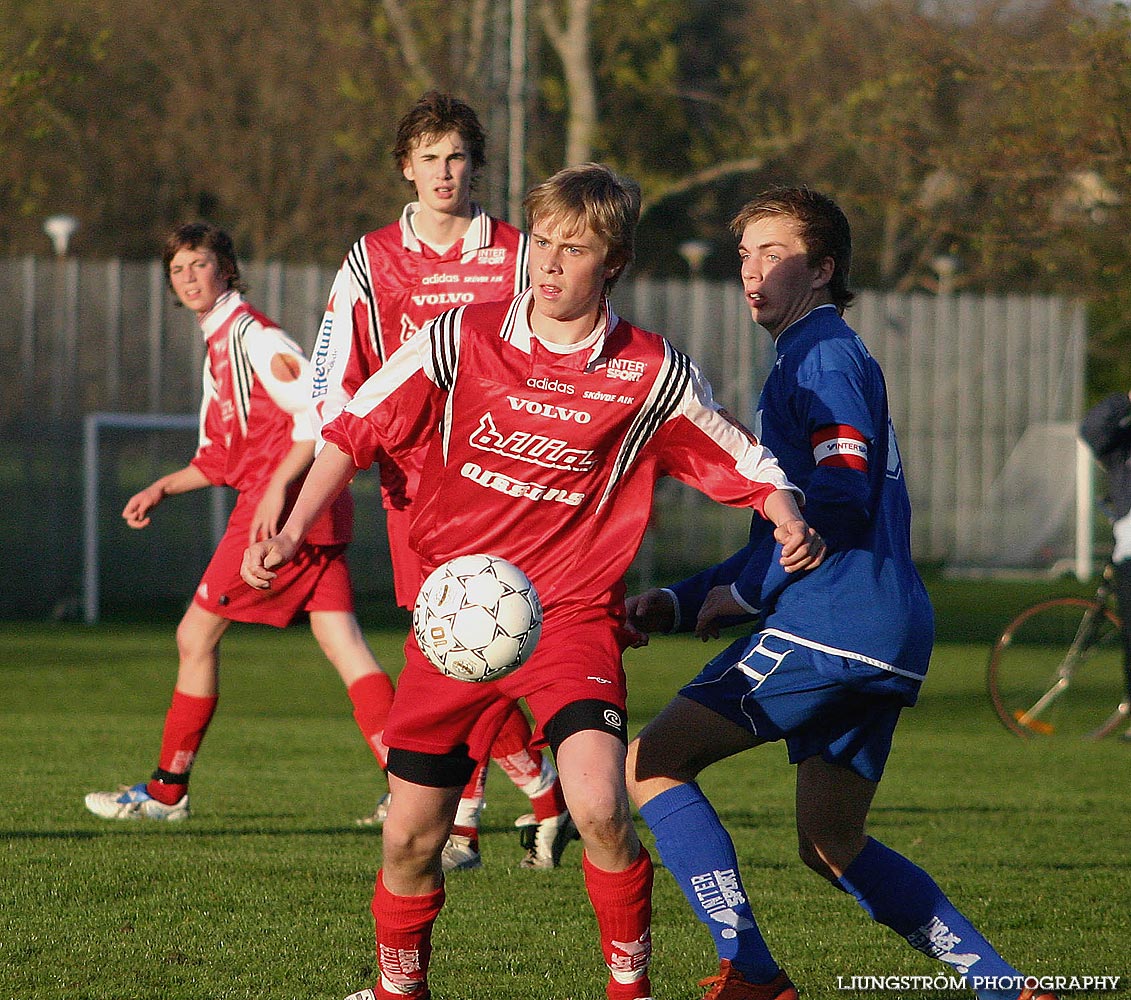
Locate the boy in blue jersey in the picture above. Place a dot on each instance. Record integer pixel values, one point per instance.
(840, 651)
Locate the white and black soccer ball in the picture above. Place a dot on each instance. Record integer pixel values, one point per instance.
(477, 618)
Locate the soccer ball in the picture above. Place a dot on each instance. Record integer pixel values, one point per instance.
(477, 618)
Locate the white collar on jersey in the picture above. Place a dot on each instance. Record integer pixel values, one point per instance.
(220, 312)
(516, 328)
(477, 237)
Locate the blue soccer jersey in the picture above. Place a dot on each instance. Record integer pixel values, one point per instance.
(823, 413)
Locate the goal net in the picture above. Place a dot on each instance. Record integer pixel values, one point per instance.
(160, 565)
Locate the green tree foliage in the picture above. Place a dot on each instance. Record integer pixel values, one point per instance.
(42, 59)
(990, 136)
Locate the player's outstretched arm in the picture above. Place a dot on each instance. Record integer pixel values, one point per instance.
(136, 511)
(328, 476)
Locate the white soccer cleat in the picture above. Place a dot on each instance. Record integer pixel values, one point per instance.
(545, 842)
(372, 995)
(134, 802)
(378, 816)
(460, 854)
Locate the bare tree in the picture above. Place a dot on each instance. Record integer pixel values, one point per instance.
(570, 38)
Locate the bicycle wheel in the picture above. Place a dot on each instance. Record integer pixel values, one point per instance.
(1057, 669)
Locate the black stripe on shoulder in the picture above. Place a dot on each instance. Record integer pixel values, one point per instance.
(675, 376)
(444, 350)
(242, 372)
(522, 273)
(356, 261)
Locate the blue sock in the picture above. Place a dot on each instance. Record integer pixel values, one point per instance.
(699, 853)
(905, 898)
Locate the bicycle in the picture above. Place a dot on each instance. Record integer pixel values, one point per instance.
(1054, 666)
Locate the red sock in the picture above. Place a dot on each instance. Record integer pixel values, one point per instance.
(404, 940)
(513, 739)
(622, 902)
(525, 766)
(372, 697)
(186, 722)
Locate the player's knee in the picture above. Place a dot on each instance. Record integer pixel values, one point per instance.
(828, 855)
(193, 643)
(412, 851)
(811, 857)
(602, 821)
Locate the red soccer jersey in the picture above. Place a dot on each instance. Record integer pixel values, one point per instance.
(548, 459)
(389, 286)
(255, 405)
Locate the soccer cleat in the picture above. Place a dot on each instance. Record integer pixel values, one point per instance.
(1032, 994)
(460, 854)
(378, 816)
(134, 802)
(730, 984)
(545, 842)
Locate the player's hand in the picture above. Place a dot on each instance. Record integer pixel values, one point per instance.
(261, 558)
(651, 611)
(267, 517)
(635, 638)
(136, 511)
(801, 547)
(719, 610)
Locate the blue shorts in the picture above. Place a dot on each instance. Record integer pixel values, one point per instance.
(817, 702)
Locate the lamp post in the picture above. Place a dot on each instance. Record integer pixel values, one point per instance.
(945, 267)
(694, 252)
(516, 114)
(60, 229)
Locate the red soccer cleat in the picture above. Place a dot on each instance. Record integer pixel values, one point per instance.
(730, 984)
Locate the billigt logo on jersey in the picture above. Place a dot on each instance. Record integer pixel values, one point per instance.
(408, 329)
(538, 449)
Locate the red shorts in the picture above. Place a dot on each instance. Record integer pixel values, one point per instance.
(574, 661)
(317, 579)
(407, 574)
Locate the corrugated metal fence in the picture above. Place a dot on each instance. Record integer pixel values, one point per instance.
(985, 390)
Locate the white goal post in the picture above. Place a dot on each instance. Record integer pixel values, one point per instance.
(93, 425)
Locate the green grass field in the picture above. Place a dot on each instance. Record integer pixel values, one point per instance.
(265, 892)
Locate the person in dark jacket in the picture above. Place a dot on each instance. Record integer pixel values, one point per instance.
(1106, 429)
